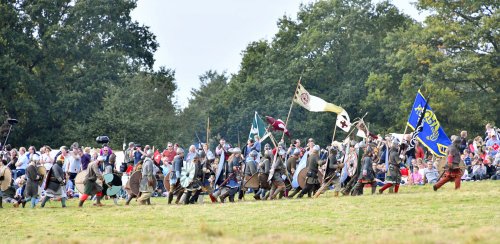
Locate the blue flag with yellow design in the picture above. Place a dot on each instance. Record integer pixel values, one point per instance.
(432, 135)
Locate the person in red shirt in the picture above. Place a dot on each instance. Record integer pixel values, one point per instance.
(168, 154)
(419, 151)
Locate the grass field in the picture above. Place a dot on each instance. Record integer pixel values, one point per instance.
(415, 215)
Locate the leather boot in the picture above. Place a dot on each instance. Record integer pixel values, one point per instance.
(170, 197)
(148, 202)
(295, 192)
(129, 200)
(179, 196)
(186, 196)
(98, 202)
(223, 196)
(276, 193)
(23, 203)
(63, 202)
(45, 199)
(195, 197)
(80, 203)
(336, 194)
(1, 202)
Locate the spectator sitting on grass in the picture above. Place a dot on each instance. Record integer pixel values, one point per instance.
(478, 170)
(416, 177)
(431, 174)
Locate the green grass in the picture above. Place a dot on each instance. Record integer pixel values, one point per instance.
(415, 215)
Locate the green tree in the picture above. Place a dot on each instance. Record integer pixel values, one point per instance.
(454, 58)
(59, 58)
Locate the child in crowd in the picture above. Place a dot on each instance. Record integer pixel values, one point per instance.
(416, 177)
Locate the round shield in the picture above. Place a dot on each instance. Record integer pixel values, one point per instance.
(134, 183)
(5, 183)
(166, 181)
(303, 175)
(187, 174)
(108, 178)
(252, 182)
(42, 172)
(80, 177)
(263, 181)
(111, 191)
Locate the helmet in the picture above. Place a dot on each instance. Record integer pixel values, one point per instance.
(180, 150)
(201, 153)
(267, 146)
(268, 153)
(316, 148)
(281, 152)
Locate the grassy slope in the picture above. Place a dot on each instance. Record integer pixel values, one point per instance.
(415, 215)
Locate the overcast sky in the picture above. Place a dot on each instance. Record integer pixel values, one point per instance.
(198, 35)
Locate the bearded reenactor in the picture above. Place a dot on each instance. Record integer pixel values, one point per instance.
(54, 186)
(175, 187)
(367, 174)
(312, 181)
(354, 165)
(32, 179)
(453, 171)
(332, 171)
(146, 186)
(263, 170)
(91, 187)
(393, 176)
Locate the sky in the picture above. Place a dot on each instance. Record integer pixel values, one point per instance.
(200, 35)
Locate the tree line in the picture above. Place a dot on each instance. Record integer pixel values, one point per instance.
(73, 70)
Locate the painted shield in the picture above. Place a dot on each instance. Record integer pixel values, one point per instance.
(80, 177)
(5, 183)
(263, 181)
(166, 181)
(252, 182)
(303, 175)
(108, 178)
(187, 174)
(112, 191)
(135, 181)
(113, 184)
(42, 172)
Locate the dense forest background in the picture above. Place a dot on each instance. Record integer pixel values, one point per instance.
(71, 70)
